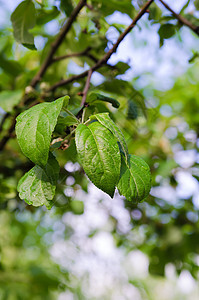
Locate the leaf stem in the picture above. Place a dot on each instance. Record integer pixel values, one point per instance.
(87, 121)
(83, 114)
(85, 91)
(70, 113)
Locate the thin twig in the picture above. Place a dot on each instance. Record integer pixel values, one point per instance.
(76, 54)
(106, 57)
(9, 134)
(85, 91)
(3, 121)
(55, 45)
(181, 19)
(70, 113)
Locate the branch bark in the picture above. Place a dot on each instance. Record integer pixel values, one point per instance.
(85, 91)
(181, 19)
(76, 54)
(106, 57)
(55, 45)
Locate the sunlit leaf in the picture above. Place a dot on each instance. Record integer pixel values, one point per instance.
(8, 99)
(135, 179)
(34, 129)
(106, 121)
(37, 187)
(23, 19)
(99, 154)
(93, 97)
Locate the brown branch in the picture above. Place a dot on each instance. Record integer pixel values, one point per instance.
(85, 91)
(106, 57)
(55, 45)
(92, 57)
(66, 81)
(76, 54)
(181, 19)
(3, 120)
(6, 138)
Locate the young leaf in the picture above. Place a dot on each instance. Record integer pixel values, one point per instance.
(166, 31)
(23, 19)
(45, 16)
(135, 179)
(96, 97)
(8, 99)
(37, 187)
(34, 129)
(62, 123)
(106, 121)
(99, 154)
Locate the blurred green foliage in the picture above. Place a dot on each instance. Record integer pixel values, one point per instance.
(158, 126)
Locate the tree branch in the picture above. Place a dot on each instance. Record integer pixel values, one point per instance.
(85, 91)
(3, 120)
(6, 138)
(106, 57)
(55, 45)
(181, 19)
(76, 54)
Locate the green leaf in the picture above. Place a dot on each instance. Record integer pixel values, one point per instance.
(105, 120)
(166, 31)
(29, 46)
(8, 99)
(66, 6)
(122, 67)
(23, 19)
(45, 16)
(62, 123)
(155, 13)
(194, 57)
(135, 179)
(132, 113)
(196, 3)
(37, 187)
(184, 7)
(11, 67)
(34, 129)
(108, 7)
(96, 97)
(99, 154)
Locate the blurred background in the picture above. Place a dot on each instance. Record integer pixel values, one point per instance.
(89, 246)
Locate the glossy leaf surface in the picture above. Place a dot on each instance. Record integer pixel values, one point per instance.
(135, 179)
(37, 187)
(99, 154)
(93, 97)
(106, 121)
(23, 19)
(34, 129)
